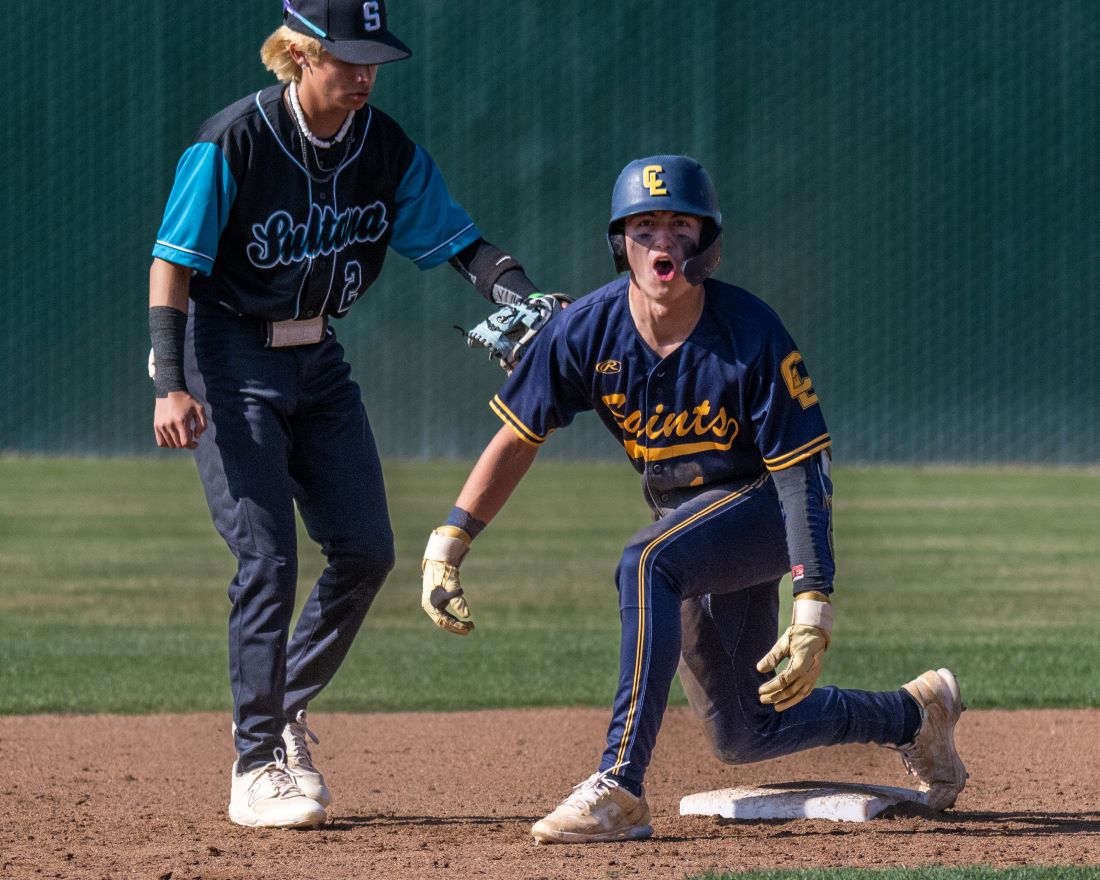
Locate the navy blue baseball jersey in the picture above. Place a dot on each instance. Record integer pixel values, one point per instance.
(733, 400)
(731, 403)
(272, 236)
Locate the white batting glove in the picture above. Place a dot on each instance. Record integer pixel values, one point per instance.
(442, 598)
(803, 644)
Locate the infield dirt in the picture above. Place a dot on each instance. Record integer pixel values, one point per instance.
(454, 795)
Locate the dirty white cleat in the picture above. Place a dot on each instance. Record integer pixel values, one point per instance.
(299, 761)
(268, 797)
(599, 809)
(931, 756)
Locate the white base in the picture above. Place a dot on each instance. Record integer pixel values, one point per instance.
(837, 801)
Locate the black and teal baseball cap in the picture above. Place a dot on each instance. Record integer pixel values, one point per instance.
(351, 30)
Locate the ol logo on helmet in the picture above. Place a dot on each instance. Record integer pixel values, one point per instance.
(652, 182)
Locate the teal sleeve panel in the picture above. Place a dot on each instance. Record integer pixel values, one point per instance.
(429, 226)
(197, 210)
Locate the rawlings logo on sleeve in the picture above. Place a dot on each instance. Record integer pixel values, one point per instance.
(281, 241)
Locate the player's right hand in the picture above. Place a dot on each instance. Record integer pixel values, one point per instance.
(442, 598)
(178, 421)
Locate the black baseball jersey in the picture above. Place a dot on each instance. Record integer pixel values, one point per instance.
(276, 229)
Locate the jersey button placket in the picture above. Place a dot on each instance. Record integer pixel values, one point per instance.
(653, 393)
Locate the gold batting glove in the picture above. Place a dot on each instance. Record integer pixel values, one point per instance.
(442, 598)
(803, 644)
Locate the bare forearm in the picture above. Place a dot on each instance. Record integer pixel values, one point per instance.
(169, 285)
(495, 476)
(490, 484)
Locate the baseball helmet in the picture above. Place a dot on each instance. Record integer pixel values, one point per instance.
(668, 183)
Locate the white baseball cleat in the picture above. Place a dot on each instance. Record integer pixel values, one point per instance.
(599, 809)
(268, 797)
(931, 756)
(299, 761)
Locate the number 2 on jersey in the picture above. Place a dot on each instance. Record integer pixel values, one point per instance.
(353, 282)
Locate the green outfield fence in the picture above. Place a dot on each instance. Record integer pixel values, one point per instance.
(913, 185)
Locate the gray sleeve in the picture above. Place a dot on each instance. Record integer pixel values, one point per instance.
(806, 496)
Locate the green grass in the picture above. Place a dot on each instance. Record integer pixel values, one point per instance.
(113, 589)
(932, 873)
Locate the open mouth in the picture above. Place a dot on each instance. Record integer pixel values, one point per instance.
(664, 268)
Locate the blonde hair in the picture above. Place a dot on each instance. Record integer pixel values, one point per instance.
(275, 53)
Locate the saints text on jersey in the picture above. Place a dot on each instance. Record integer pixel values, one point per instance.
(709, 433)
(734, 399)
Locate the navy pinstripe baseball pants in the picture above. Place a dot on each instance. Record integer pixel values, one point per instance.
(699, 588)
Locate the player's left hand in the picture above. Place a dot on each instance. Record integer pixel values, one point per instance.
(442, 599)
(509, 331)
(803, 645)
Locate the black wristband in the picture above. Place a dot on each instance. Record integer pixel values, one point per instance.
(513, 285)
(496, 275)
(167, 330)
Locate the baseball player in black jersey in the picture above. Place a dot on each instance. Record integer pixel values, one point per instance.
(278, 221)
(709, 397)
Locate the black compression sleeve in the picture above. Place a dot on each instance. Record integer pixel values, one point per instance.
(167, 329)
(497, 276)
(806, 495)
(513, 285)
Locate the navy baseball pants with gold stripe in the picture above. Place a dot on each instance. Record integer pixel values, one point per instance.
(699, 588)
(286, 427)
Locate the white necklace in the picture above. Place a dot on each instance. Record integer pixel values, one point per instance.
(300, 119)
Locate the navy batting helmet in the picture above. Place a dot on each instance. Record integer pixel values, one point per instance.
(668, 183)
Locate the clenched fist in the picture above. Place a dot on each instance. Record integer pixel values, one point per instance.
(803, 644)
(442, 598)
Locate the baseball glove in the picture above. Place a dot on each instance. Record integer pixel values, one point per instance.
(508, 332)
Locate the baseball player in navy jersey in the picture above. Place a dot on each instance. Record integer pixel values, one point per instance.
(278, 221)
(712, 403)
